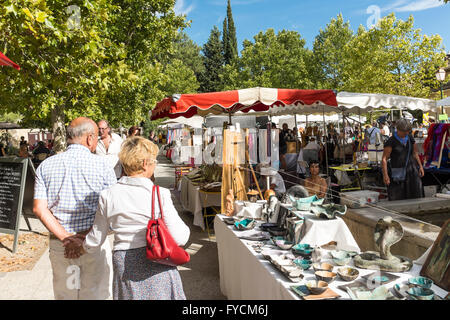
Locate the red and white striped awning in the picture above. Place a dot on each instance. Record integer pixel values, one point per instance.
(5, 61)
(261, 100)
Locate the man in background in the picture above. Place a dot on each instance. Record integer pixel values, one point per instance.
(109, 146)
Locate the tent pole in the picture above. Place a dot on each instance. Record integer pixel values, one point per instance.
(326, 140)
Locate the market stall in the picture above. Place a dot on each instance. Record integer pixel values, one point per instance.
(247, 273)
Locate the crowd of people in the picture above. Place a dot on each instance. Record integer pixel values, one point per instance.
(100, 185)
(395, 140)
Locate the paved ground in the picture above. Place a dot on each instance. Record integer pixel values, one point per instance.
(200, 276)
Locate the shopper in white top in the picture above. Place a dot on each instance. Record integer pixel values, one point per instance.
(109, 146)
(125, 209)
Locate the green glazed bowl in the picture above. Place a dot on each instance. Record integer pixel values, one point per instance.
(421, 282)
(304, 264)
(420, 293)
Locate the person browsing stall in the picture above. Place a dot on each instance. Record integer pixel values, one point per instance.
(125, 209)
(401, 165)
(66, 195)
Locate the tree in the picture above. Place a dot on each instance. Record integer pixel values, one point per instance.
(272, 60)
(328, 54)
(98, 59)
(213, 62)
(189, 53)
(229, 37)
(393, 58)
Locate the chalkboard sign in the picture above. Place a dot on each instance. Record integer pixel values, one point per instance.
(15, 175)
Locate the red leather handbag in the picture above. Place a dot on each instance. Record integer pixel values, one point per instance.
(161, 247)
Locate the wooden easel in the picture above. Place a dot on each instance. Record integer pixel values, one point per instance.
(233, 178)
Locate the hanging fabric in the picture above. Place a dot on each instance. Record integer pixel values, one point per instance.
(275, 157)
(253, 145)
(263, 158)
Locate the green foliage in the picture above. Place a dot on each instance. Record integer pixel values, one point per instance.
(393, 58)
(327, 67)
(10, 117)
(272, 60)
(188, 52)
(229, 37)
(213, 62)
(105, 66)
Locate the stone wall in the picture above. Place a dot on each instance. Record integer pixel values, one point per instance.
(418, 235)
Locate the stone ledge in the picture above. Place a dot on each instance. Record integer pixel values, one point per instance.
(418, 235)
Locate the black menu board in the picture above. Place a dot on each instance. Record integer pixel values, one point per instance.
(13, 172)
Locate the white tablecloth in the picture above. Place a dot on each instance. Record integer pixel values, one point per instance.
(246, 275)
(317, 232)
(190, 200)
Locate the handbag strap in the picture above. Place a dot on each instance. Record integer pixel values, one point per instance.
(159, 202)
(408, 141)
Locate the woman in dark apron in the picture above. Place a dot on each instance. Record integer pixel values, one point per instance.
(403, 172)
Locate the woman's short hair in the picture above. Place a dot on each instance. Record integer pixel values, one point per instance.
(311, 162)
(134, 151)
(403, 125)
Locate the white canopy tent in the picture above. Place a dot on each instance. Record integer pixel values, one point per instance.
(351, 102)
(193, 122)
(444, 103)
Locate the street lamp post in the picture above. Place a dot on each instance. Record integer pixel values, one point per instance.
(440, 76)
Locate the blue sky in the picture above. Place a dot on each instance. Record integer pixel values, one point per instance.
(309, 16)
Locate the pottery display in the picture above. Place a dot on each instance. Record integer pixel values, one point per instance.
(348, 274)
(284, 244)
(328, 211)
(245, 224)
(303, 263)
(304, 250)
(229, 221)
(401, 291)
(339, 254)
(277, 231)
(360, 293)
(420, 293)
(325, 276)
(342, 262)
(421, 282)
(317, 287)
(387, 233)
(322, 267)
(267, 226)
(380, 278)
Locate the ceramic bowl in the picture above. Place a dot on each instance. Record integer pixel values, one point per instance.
(421, 293)
(322, 267)
(267, 226)
(304, 249)
(302, 263)
(276, 231)
(317, 287)
(339, 254)
(284, 244)
(245, 224)
(325, 276)
(421, 282)
(348, 274)
(229, 221)
(342, 262)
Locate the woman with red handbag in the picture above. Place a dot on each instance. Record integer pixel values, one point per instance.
(125, 209)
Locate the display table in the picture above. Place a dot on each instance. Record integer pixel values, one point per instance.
(358, 171)
(318, 232)
(246, 275)
(194, 201)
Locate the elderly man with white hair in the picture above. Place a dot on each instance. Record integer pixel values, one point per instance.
(66, 194)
